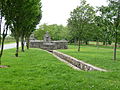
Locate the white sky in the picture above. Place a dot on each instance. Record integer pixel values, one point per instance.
(58, 11)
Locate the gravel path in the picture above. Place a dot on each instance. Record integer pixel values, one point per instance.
(9, 46)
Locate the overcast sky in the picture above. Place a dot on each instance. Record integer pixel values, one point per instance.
(58, 11)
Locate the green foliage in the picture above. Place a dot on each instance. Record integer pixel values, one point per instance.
(80, 22)
(102, 32)
(111, 19)
(21, 17)
(57, 32)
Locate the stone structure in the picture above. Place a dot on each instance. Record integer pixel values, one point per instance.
(32, 37)
(48, 44)
(47, 37)
(78, 63)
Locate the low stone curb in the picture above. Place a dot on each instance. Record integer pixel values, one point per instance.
(77, 63)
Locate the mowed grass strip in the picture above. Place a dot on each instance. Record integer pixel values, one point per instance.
(38, 70)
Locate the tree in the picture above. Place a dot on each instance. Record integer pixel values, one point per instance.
(32, 27)
(0, 19)
(23, 17)
(81, 17)
(5, 30)
(112, 15)
(14, 15)
(102, 32)
(57, 32)
(0, 26)
(32, 16)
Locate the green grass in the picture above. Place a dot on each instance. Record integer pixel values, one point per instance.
(94, 43)
(100, 43)
(8, 42)
(101, 57)
(38, 70)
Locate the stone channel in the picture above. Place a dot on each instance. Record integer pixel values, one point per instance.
(77, 63)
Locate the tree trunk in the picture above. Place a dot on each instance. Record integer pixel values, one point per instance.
(106, 42)
(0, 33)
(2, 41)
(75, 42)
(115, 47)
(27, 43)
(0, 30)
(109, 42)
(0, 24)
(86, 42)
(22, 43)
(117, 28)
(78, 45)
(97, 43)
(17, 47)
(103, 42)
(2, 47)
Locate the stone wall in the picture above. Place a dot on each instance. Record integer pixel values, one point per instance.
(36, 43)
(61, 44)
(79, 64)
(53, 45)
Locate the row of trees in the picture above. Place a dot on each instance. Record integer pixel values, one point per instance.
(86, 23)
(21, 18)
(57, 32)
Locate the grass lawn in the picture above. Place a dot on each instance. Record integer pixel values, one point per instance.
(101, 57)
(8, 42)
(38, 70)
(100, 43)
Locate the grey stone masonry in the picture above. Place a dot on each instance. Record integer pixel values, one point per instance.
(78, 63)
(53, 45)
(47, 43)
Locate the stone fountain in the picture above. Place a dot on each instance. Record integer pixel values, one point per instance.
(47, 43)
